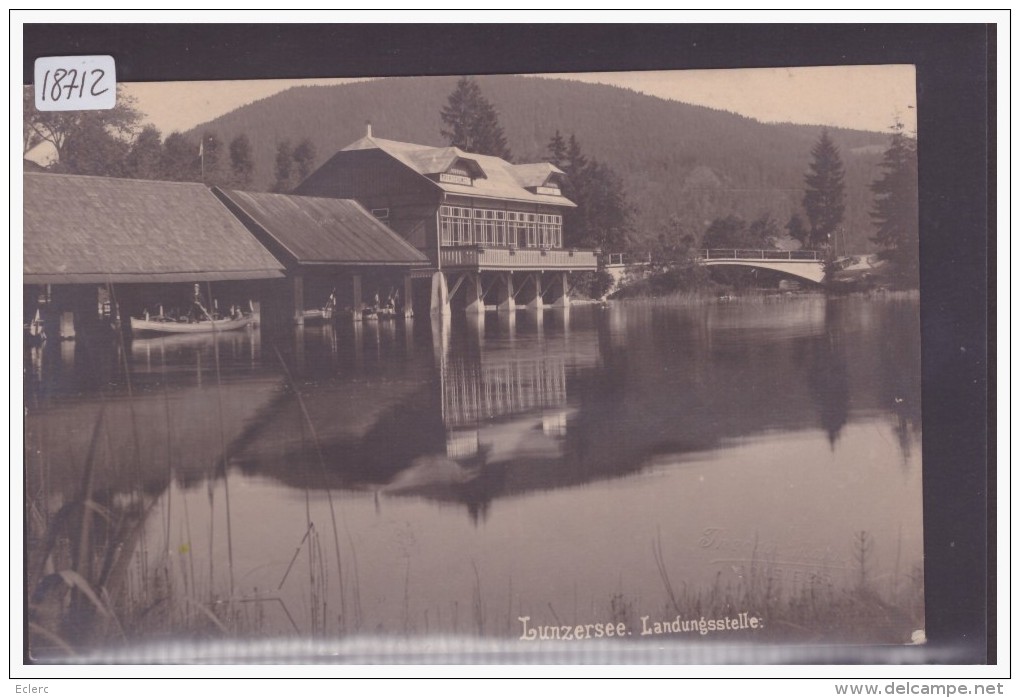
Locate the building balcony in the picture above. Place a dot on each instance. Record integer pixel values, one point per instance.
(484, 258)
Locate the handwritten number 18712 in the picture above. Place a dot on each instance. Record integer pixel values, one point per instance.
(67, 84)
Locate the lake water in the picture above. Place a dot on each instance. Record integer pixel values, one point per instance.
(590, 466)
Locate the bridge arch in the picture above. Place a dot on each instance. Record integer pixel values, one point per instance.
(802, 264)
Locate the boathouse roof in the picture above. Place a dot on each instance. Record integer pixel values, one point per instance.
(311, 230)
(81, 229)
(491, 177)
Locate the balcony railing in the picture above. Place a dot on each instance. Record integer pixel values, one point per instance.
(513, 258)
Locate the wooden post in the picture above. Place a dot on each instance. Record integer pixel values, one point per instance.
(563, 301)
(506, 302)
(299, 298)
(356, 302)
(536, 302)
(440, 304)
(66, 330)
(84, 301)
(475, 298)
(408, 296)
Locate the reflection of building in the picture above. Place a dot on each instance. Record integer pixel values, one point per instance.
(507, 403)
(489, 390)
(492, 229)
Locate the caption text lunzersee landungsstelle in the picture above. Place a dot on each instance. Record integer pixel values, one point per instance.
(668, 626)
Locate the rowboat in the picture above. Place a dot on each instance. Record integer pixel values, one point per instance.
(318, 315)
(168, 326)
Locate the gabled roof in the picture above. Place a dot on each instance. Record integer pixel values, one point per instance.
(536, 174)
(82, 229)
(314, 230)
(502, 180)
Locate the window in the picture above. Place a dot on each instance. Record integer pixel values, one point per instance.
(531, 229)
(500, 223)
(482, 226)
(381, 213)
(455, 225)
(545, 230)
(485, 226)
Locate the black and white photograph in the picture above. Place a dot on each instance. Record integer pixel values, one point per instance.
(533, 364)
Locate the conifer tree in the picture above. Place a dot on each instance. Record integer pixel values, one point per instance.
(558, 150)
(471, 123)
(896, 206)
(824, 198)
(603, 217)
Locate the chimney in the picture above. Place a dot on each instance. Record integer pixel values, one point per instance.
(368, 129)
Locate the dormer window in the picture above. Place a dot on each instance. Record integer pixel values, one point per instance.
(549, 190)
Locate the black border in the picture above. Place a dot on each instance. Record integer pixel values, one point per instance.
(956, 103)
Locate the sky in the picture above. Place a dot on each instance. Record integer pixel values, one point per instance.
(860, 97)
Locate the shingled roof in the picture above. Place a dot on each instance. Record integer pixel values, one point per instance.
(311, 230)
(82, 229)
(501, 180)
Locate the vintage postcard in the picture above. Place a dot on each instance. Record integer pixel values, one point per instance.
(533, 366)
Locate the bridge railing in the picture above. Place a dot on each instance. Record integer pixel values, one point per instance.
(801, 255)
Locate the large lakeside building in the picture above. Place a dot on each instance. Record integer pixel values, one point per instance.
(489, 227)
(432, 227)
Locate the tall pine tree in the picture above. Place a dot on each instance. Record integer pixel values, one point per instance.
(824, 198)
(471, 123)
(896, 207)
(603, 217)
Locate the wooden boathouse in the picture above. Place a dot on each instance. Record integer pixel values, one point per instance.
(491, 230)
(142, 243)
(330, 247)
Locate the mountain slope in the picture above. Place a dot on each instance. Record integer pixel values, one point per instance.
(682, 165)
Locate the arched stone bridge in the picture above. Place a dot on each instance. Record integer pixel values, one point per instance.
(803, 264)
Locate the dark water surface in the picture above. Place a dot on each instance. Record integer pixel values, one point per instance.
(593, 465)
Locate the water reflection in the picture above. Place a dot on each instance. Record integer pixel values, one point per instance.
(569, 439)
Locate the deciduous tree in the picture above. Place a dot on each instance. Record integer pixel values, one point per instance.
(144, 159)
(61, 128)
(304, 156)
(213, 160)
(242, 167)
(180, 162)
(284, 170)
(796, 229)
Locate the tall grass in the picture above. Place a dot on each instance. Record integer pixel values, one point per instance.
(854, 610)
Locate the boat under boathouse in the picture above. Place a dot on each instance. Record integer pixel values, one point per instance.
(332, 249)
(492, 230)
(98, 246)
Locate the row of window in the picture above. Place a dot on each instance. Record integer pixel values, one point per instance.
(479, 226)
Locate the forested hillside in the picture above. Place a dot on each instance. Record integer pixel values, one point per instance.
(682, 165)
